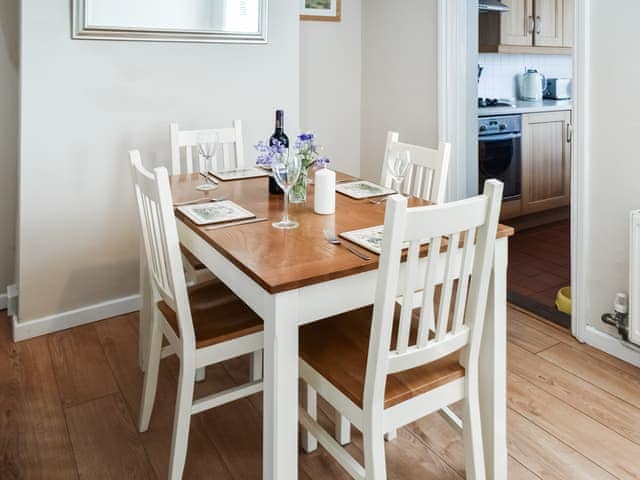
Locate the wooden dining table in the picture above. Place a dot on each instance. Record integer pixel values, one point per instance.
(294, 277)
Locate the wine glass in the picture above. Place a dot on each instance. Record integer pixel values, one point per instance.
(286, 169)
(398, 165)
(208, 148)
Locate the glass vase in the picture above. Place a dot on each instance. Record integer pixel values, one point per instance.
(298, 193)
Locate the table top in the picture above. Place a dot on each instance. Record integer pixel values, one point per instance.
(281, 260)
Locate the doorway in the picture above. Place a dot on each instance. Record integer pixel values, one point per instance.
(541, 261)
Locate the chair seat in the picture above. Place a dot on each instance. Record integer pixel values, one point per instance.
(218, 315)
(192, 259)
(337, 349)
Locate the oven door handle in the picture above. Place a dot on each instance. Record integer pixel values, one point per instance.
(499, 137)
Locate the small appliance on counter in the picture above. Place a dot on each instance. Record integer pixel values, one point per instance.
(532, 86)
(558, 89)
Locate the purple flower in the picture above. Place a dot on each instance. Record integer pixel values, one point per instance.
(306, 137)
(322, 162)
(267, 153)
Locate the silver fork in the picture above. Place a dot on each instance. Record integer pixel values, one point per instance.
(199, 200)
(330, 236)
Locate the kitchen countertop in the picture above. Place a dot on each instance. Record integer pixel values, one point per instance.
(520, 106)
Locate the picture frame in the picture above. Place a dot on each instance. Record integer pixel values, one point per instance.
(321, 10)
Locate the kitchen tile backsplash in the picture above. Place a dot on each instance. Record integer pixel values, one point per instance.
(500, 75)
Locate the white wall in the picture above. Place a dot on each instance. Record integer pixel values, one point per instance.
(501, 71)
(399, 72)
(614, 170)
(330, 85)
(85, 103)
(9, 59)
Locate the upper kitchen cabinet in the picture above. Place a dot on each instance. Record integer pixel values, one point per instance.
(530, 26)
(513, 30)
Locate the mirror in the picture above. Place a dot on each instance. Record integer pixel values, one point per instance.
(227, 21)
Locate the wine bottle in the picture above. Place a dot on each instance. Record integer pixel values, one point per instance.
(281, 137)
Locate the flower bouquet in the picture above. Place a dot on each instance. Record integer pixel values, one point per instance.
(309, 154)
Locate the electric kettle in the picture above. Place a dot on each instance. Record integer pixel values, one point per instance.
(533, 85)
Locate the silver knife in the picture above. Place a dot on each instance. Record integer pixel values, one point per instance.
(199, 200)
(233, 224)
(356, 252)
(210, 178)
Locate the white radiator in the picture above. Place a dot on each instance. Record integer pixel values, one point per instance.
(634, 278)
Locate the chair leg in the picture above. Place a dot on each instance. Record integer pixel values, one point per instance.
(310, 404)
(256, 366)
(375, 464)
(152, 362)
(472, 432)
(182, 418)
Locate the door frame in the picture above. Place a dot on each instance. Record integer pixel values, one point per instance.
(457, 115)
(457, 92)
(580, 159)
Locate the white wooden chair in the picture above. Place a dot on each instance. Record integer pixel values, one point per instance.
(390, 364)
(427, 176)
(426, 179)
(186, 158)
(204, 325)
(187, 140)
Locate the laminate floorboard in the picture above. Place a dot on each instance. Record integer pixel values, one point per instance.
(34, 441)
(69, 409)
(81, 368)
(105, 441)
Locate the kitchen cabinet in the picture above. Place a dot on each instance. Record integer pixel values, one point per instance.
(568, 18)
(530, 26)
(548, 23)
(516, 25)
(546, 161)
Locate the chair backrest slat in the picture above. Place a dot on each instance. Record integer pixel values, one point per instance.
(231, 148)
(427, 322)
(407, 304)
(463, 281)
(450, 274)
(427, 176)
(160, 240)
(454, 284)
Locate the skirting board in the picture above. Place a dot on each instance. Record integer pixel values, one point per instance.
(611, 345)
(3, 301)
(74, 318)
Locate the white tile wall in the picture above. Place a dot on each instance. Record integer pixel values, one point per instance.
(501, 71)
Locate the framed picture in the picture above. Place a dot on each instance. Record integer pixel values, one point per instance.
(321, 10)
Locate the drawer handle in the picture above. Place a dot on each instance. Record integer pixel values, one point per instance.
(538, 24)
(569, 133)
(531, 24)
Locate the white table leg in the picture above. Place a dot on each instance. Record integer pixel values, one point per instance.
(280, 412)
(493, 369)
(146, 310)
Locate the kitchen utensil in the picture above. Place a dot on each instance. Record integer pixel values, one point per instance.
(233, 224)
(199, 200)
(330, 236)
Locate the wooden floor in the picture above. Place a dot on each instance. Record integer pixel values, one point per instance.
(69, 404)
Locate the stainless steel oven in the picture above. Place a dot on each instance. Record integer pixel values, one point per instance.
(499, 151)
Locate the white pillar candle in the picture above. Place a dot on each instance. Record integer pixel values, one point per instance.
(324, 201)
